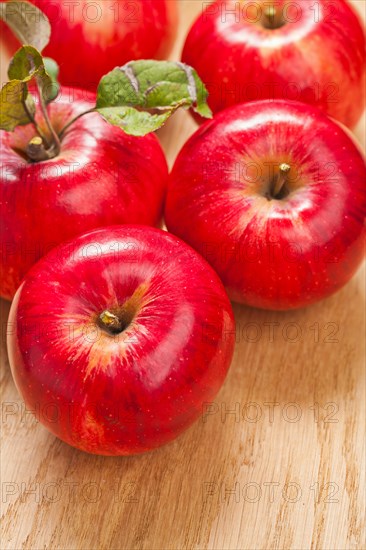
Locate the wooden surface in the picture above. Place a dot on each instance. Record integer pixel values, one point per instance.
(276, 463)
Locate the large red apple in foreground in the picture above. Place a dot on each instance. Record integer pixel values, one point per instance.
(91, 38)
(117, 338)
(312, 52)
(101, 177)
(273, 194)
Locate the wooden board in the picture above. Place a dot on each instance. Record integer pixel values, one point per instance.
(277, 462)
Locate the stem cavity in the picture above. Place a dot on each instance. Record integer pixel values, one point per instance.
(40, 147)
(36, 150)
(111, 323)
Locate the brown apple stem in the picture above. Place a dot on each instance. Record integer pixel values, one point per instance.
(36, 150)
(56, 145)
(110, 322)
(269, 17)
(280, 179)
(67, 126)
(33, 121)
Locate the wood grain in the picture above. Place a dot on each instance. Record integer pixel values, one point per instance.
(276, 462)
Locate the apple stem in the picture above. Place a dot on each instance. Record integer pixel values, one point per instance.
(56, 145)
(270, 14)
(280, 179)
(36, 150)
(33, 120)
(62, 133)
(110, 322)
(272, 18)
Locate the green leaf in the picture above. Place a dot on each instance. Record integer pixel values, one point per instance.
(29, 24)
(27, 64)
(12, 110)
(147, 85)
(132, 121)
(202, 107)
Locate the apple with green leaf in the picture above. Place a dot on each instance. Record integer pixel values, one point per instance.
(71, 162)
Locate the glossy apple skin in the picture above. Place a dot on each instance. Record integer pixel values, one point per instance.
(89, 39)
(272, 253)
(102, 177)
(318, 59)
(127, 393)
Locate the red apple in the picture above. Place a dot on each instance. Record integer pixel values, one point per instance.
(116, 339)
(89, 39)
(273, 194)
(101, 177)
(312, 52)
